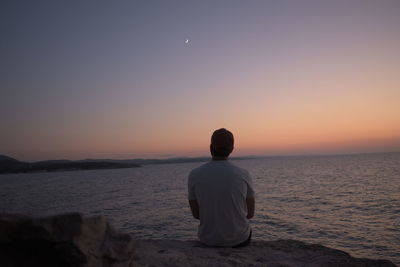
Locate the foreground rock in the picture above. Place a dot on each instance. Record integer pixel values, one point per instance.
(74, 240)
(62, 240)
(259, 253)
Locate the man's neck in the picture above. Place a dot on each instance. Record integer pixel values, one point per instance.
(219, 158)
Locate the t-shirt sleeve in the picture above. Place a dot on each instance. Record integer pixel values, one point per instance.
(250, 188)
(191, 195)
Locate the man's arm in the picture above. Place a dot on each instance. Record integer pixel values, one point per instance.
(194, 207)
(250, 207)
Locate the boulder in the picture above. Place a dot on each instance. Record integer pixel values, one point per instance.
(62, 240)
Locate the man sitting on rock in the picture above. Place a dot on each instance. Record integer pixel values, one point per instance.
(221, 196)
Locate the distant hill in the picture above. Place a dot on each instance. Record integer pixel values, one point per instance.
(6, 158)
(11, 165)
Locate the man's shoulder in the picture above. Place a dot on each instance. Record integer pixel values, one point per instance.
(216, 167)
(199, 170)
(240, 170)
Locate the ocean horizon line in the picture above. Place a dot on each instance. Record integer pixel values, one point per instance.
(205, 157)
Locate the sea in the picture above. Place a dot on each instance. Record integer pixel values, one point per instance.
(347, 202)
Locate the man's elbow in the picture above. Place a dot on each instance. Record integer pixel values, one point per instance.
(194, 207)
(250, 207)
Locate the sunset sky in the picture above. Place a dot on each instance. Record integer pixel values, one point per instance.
(117, 79)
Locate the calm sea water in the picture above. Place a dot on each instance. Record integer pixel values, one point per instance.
(345, 202)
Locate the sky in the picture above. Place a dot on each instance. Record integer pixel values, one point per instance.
(118, 79)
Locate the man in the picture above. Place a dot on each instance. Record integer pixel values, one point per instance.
(221, 196)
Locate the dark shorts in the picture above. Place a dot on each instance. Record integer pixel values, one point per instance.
(244, 243)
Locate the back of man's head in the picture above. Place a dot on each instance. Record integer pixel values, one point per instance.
(221, 143)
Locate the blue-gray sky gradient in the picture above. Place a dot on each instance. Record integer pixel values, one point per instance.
(117, 79)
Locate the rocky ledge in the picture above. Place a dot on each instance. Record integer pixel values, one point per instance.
(75, 240)
(259, 253)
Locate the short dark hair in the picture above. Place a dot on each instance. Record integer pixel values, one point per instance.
(221, 143)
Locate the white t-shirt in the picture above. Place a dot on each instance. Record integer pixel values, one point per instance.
(221, 188)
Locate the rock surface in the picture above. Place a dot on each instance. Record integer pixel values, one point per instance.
(259, 253)
(74, 240)
(62, 240)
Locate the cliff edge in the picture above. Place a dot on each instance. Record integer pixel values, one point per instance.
(259, 253)
(76, 240)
